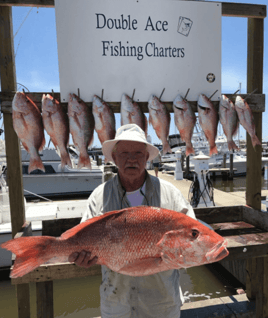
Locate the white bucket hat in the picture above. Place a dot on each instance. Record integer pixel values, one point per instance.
(130, 132)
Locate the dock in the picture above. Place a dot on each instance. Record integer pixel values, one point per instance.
(221, 198)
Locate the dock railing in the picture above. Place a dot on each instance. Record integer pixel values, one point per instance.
(245, 229)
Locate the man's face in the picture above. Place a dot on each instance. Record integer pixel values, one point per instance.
(130, 158)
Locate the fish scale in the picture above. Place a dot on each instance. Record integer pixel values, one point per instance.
(136, 241)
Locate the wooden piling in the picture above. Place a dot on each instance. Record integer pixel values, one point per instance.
(256, 268)
(14, 170)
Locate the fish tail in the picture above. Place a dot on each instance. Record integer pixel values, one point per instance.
(189, 150)
(84, 161)
(65, 160)
(232, 145)
(213, 150)
(35, 163)
(30, 253)
(166, 148)
(255, 141)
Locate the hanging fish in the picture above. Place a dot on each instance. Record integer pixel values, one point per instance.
(246, 119)
(104, 120)
(185, 120)
(229, 120)
(27, 123)
(208, 119)
(159, 118)
(57, 126)
(132, 114)
(82, 124)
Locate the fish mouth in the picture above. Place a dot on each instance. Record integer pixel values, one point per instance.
(218, 252)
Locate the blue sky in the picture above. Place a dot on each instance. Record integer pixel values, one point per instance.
(35, 46)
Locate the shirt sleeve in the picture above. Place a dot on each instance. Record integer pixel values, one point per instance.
(180, 203)
(92, 205)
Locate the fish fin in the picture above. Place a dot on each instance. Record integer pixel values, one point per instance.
(213, 150)
(150, 119)
(30, 253)
(65, 160)
(189, 150)
(145, 126)
(147, 266)
(74, 230)
(232, 145)
(255, 141)
(166, 148)
(35, 163)
(42, 144)
(25, 146)
(84, 161)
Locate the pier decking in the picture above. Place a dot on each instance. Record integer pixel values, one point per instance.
(221, 198)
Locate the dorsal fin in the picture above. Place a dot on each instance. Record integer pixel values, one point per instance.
(83, 225)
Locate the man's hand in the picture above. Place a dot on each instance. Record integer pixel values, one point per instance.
(83, 259)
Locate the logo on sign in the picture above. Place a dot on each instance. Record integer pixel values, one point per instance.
(184, 26)
(211, 77)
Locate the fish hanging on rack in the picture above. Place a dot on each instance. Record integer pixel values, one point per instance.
(57, 126)
(81, 122)
(28, 125)
(229, 120)
(104, 119)
(208, 119)
(132, 114)
(159, 118)
(246, 119)
(185, 119)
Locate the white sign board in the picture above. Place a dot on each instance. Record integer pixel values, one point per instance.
(146, 45)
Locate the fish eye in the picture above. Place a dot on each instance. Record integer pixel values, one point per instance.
(195, 233)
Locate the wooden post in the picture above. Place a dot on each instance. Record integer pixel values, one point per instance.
(224, 160)
(14, 172)
(44, 299)
(231, 158)
(257, 268)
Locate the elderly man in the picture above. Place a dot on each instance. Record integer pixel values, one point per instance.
(123, 296)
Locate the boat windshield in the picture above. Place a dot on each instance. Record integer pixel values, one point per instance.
(48, 170)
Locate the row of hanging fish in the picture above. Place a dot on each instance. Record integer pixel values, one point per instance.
(230, 115)
(29, 123)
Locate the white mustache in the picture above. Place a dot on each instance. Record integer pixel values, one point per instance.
(132, 166)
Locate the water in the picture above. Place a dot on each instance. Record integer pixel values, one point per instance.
(235, 185)
(73, 298)
(79, 297)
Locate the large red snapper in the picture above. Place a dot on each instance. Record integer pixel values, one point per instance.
(57, 126)
(104, 120)
(185, 120)
(135, 241)
(246, 119)
(28, 125)
(159, 118)
(132, 114)
(82, 124)
(229, 120)
(208, 119)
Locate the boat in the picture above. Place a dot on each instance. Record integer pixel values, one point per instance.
(200, 145)
(55, 182)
